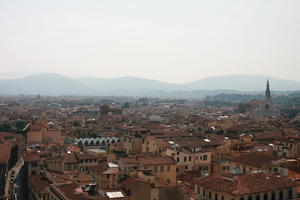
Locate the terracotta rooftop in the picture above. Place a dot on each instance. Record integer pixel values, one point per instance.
(157, 183)
(69, 191)
(31, 156)
(245, 184)
(84, 156)
(149, 159)
(254, 159)
(70, 157)
(39, 184)
(5, 150)
(101, 167)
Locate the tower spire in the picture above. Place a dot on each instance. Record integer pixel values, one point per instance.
(268, 93)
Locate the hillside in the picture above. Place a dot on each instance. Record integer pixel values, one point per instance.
(56, 84)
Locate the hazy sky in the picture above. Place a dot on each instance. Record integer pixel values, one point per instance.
(168, 40)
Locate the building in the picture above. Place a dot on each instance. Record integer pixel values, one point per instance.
(191, 161)
(143, 189)
(38, 188)
(10, 152)
(191, 155)
(105, 175)
(266, 107)
(250, 162)
(40, 132)
(161, 166)
(67, 191)
(287, 147)
(255, 186)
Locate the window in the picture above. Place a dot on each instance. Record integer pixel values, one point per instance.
(155, 168)
(216, 196)
(242, 198)
(168, 168)
(273, 196)
(177, 153)
(184, 159)
(161, 168)
(250, 198)
(222, 198)
(209, 194)
(203, 192)
(266, 196)
(196, 157)
(257, 197)
(178, 159)
(190, 158)
(267, 106)
(107, 176)
(34, 164)
(177, 170)
(198, 191)
(281, 195)
(290, 193)
(204, 157)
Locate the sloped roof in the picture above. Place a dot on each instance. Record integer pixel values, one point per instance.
(245, 184)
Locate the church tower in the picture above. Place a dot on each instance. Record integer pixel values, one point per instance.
(268, 93)
(266, 107)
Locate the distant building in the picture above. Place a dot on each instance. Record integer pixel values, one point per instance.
(266, 107)
(106, 109)
(40, 132)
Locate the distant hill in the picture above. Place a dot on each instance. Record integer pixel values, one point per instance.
(56, 84)
(44, 84)
(129, 83)
(242, 83)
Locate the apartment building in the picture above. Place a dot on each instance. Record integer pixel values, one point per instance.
(161, 166)
(254, 186)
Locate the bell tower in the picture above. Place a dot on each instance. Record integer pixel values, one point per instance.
(268, 93)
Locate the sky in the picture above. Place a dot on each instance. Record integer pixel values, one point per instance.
(168, 40)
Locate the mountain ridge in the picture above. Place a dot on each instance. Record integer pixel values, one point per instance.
(57, 84)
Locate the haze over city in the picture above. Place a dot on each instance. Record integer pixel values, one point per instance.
(149, 100)
(172, 41)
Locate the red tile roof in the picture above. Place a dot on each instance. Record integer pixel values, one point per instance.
(5, 150)
(69, 191)
(254, 159)
(39, 184)
(246, 184)
(149, 159)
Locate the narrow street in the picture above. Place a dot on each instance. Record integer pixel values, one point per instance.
(10, 179)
